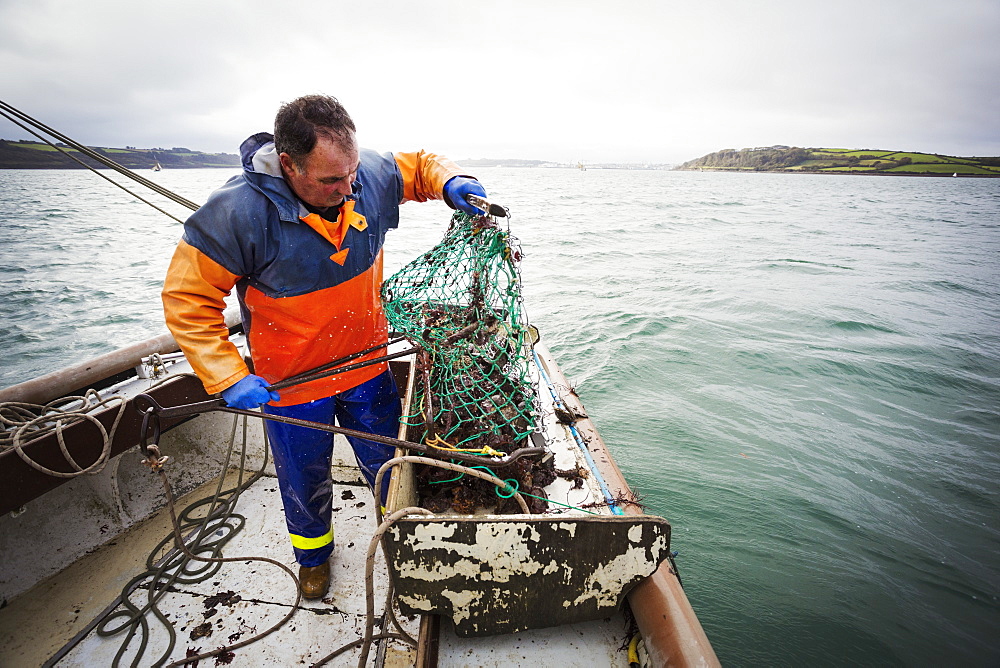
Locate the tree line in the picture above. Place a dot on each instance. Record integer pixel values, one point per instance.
(750, 158)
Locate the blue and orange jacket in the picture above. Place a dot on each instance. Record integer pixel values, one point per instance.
(308, 287)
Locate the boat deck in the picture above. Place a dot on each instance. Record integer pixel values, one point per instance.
(55, 622)
(68, 602)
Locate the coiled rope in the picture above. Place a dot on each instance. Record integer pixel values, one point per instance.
(25, 423)
(175, 567)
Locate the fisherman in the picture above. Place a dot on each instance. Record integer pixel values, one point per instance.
(299, 234)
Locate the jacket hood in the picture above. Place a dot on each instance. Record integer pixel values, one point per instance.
(262, 170)
(251, 145)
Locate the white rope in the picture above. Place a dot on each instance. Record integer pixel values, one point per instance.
(25, 423)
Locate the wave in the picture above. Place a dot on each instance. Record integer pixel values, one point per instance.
(803, 264)
(855, 326)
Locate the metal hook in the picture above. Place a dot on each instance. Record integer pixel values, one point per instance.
(151, 416)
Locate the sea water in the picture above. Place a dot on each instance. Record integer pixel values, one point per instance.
(801, 373)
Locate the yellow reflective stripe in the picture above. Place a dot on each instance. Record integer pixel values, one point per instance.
(304, 543)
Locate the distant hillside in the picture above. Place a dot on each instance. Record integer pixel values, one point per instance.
(36, 155)
(841, 160)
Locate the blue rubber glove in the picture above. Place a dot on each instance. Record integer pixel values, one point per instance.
(249, 393)
(457, 188)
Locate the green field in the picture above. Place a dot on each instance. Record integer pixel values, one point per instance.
(39, 147)
(36, 155)
(859, 168)
(946, 168)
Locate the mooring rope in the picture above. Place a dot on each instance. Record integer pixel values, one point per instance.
(25, 423)
(384, 523)
(173, 568)
(223, 560)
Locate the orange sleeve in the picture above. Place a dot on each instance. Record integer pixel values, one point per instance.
(193, 302)
(424, 175)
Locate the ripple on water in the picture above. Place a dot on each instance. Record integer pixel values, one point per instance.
(802, 265)
(855, 326)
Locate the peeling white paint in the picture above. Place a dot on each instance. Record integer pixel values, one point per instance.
(571, 528)
(416, 603)
(433, 532)
(438, 571)
(479, 570)
(461, 602)
(498, 552)
(608, 579)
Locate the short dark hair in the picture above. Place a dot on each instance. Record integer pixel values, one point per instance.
(300, 122)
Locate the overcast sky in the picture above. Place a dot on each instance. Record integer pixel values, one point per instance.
(658, 81)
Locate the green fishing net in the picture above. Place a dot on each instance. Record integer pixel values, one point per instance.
(461, 302)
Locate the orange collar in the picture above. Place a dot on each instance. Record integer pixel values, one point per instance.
(335, 232)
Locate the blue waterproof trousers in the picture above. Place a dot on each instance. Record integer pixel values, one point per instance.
(302, 458)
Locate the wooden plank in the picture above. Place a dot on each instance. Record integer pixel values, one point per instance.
(498, 574)
(402, 483)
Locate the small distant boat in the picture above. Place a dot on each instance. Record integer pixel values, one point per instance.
(955, 174)
(581, 167)
(156, 166)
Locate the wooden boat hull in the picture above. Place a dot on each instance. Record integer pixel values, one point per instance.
(671, 632)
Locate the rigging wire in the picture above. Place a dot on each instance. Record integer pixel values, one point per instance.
(103, 159)
(103, 176)
(9, 112)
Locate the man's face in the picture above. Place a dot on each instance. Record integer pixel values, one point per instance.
(326, 174)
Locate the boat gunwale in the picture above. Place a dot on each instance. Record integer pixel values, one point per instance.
(658, 599)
